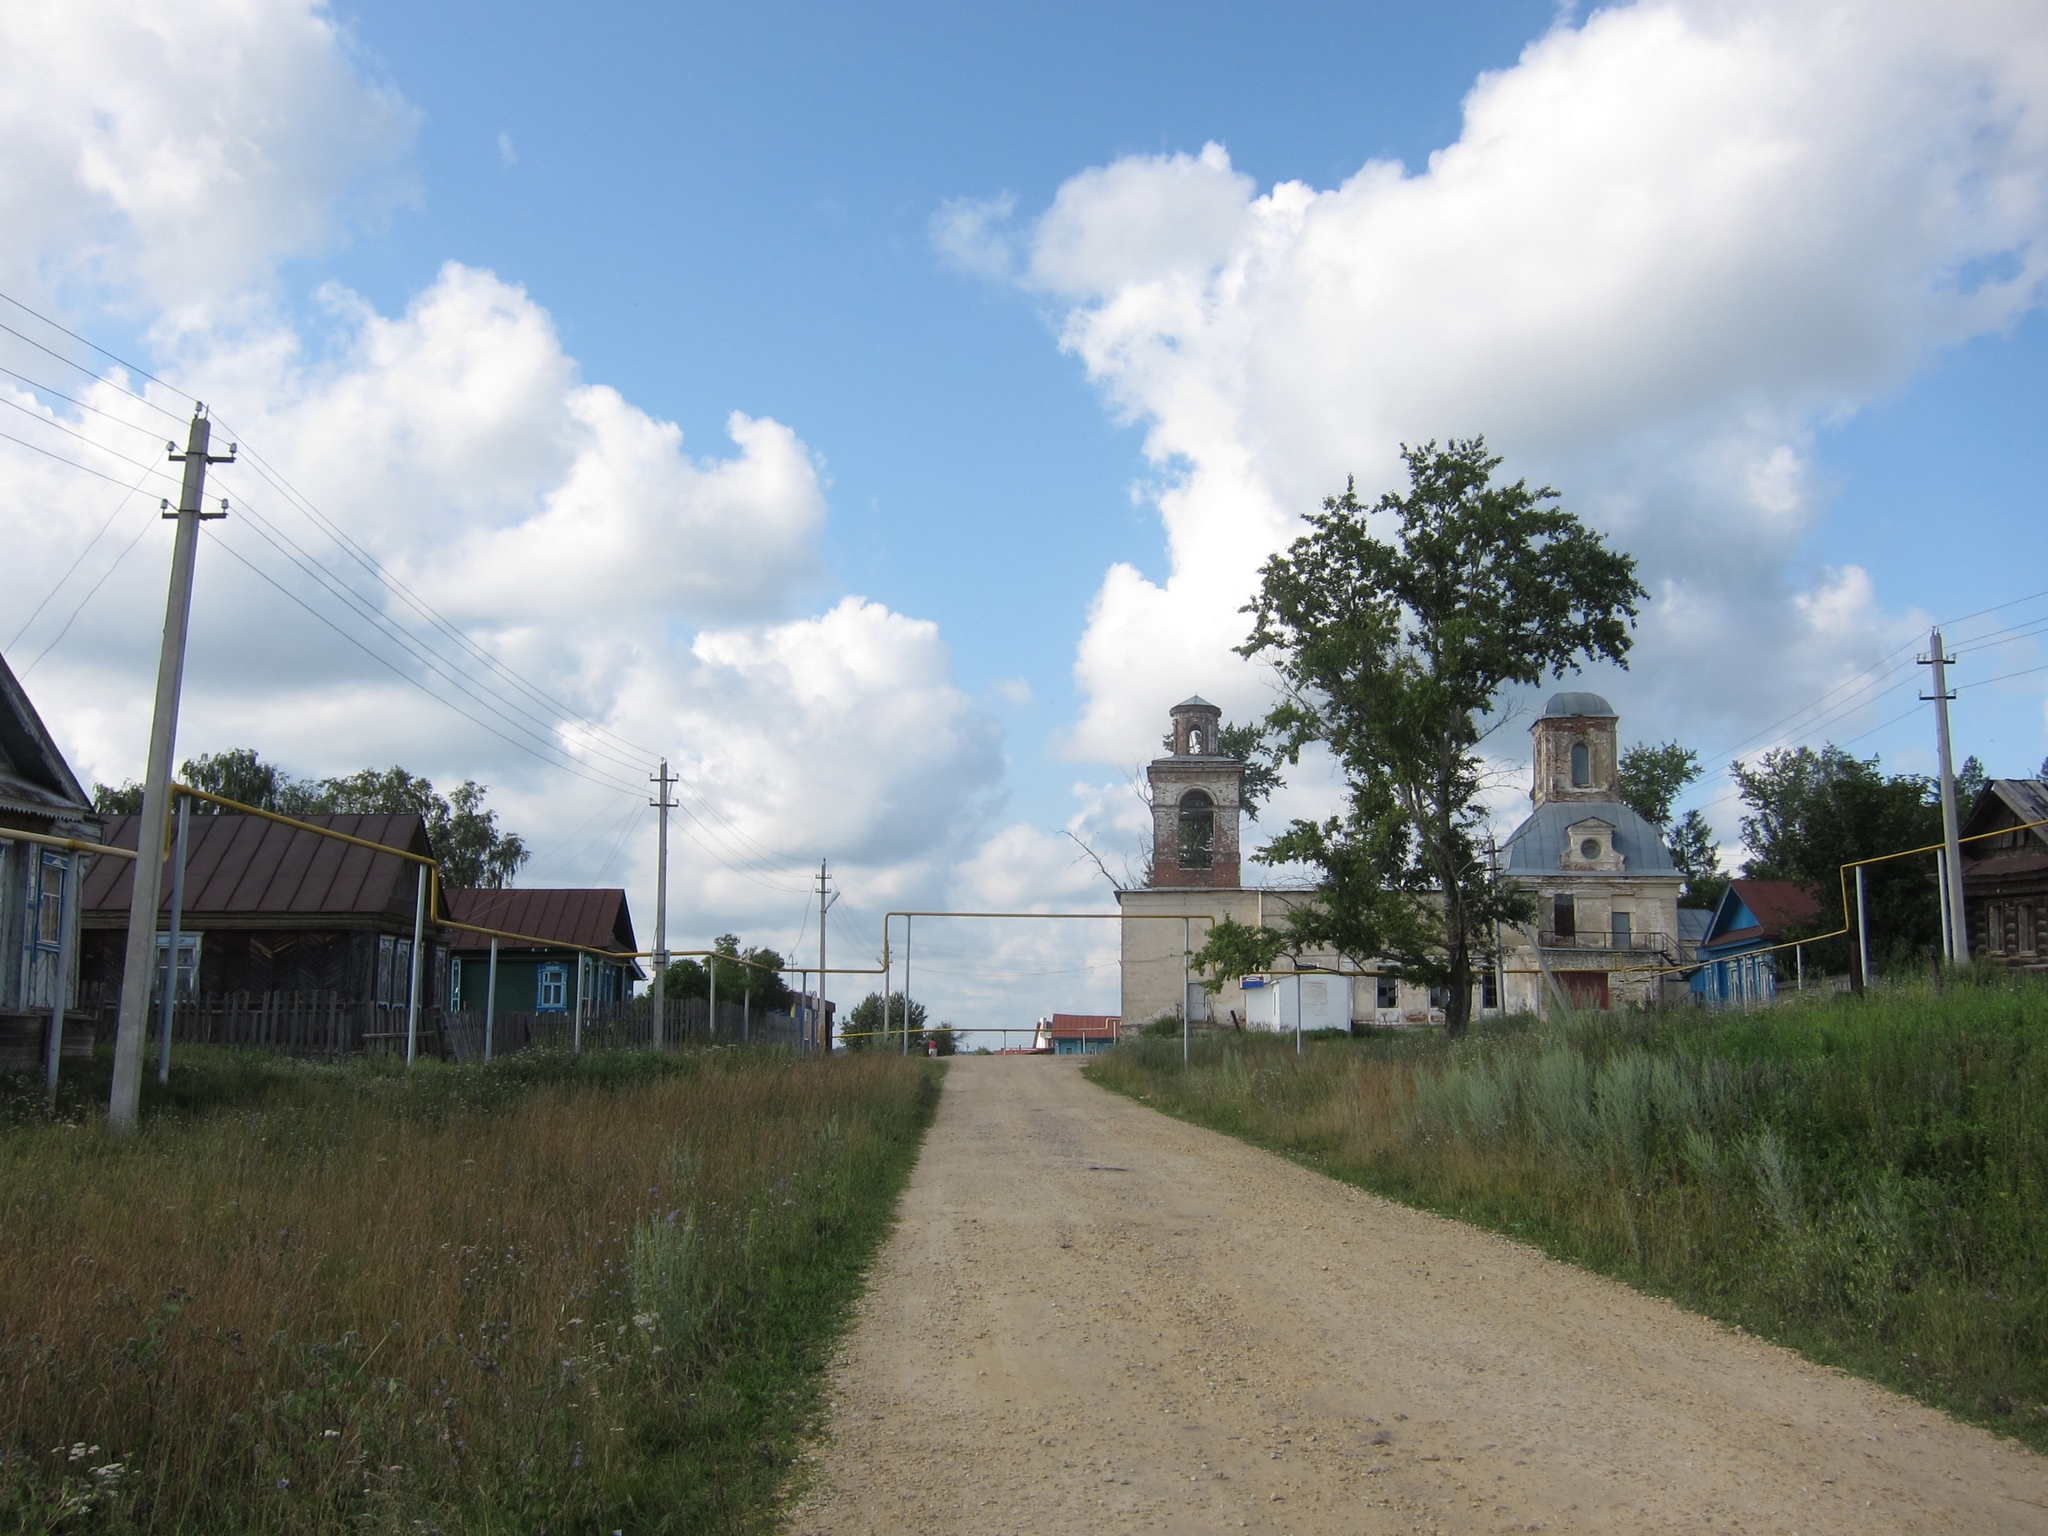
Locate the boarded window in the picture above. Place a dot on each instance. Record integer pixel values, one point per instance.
(1618, 924)
(1582, 765)
(1197, 830)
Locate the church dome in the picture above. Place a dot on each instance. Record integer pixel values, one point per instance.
(1565, 706)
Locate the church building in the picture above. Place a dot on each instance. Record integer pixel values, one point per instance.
(1606, 927)
(1198, 880)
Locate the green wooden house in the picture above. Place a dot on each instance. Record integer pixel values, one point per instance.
(537, 971)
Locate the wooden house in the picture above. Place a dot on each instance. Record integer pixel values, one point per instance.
(277, 919)
(38, 795)
(1739, 962)
(541, 977)
(2005, 874)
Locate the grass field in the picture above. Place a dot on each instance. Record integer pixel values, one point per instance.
(1865, 1180)
(553, 1295)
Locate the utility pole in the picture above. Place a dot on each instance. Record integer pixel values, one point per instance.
(168, 1014)
(1953, 910)
(664, 805)
(139, 965)
(818, 1038)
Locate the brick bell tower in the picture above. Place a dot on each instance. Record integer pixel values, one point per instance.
(1197, 794)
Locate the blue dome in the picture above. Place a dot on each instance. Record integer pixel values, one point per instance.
(1564, 706)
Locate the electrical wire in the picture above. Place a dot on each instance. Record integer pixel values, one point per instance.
(90, 545)
(74, 464)
(767, 859)
(90, 591)
(55, 394)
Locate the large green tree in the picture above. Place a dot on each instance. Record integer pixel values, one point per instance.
(1812, 811)
(1391, 651)
(472, 848)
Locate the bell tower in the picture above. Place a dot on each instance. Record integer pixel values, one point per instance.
(1576, 754)
(1197, 794)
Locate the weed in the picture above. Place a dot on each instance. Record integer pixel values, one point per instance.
(1863, 1179)
(557, 1293)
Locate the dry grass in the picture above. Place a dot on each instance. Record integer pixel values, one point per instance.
(464, 1300)
(1865, 1180)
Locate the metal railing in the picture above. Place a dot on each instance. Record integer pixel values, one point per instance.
(1653, 943)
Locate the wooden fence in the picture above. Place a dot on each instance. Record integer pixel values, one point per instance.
(320, 1024)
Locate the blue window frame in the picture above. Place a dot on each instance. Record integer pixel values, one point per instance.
(551, 989)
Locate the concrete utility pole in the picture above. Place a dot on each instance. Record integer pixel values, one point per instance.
(139, 964)
(664, 805)
(412, 995)
(819, 1036)
(168, 1014)
(1951, 829)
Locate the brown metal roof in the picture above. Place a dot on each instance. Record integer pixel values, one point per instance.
(593, 919)
(1068, 1026)
(246, 866)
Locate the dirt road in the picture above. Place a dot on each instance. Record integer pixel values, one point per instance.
(1096, 1318)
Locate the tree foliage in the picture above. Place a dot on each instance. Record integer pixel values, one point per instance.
(864, 1024)
(1811, 812)
(1650, 779)
(1390, 652)
(1233, 949)
(756, 984)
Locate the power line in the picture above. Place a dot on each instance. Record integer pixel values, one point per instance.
(389, 627)
(55, 394)
(93, 541)
(86, 468)
(80, 608)
(83, 341)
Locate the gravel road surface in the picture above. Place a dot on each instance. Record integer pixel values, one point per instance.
(1096, 1318)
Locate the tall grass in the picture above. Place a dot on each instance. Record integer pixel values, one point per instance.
(550, 1296)
(1865, 1180)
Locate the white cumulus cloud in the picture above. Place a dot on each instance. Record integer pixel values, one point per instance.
(1669, 242)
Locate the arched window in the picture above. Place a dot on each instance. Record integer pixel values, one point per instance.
(1197, 830)
(1195, 740)
(1582, 765)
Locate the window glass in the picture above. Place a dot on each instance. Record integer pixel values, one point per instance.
(455, 982)
(1589, 848)
(1197, 830)
(1386, 992)
(380, 984)
(50, 906)
(1489, 990)
(188, 965)
(551, 987)
(1582, 765)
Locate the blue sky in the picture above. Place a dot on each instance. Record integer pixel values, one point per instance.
(1043, 327)
(731, 209)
